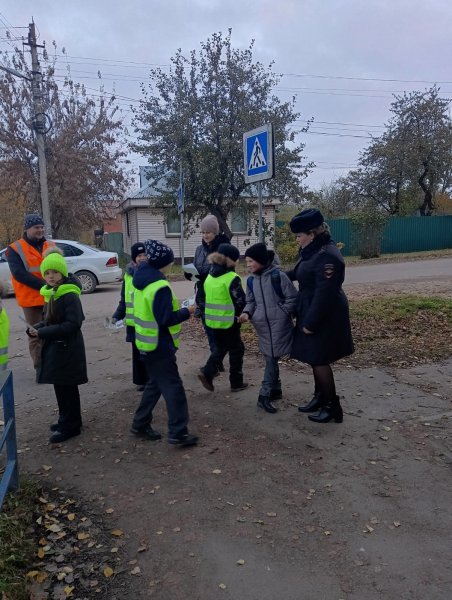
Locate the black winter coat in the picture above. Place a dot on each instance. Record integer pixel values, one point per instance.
(63, 360)
(202, 265)
(322, 306)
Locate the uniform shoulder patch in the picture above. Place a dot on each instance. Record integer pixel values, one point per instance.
(328, 270)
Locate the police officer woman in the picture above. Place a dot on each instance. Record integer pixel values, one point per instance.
(323, 333)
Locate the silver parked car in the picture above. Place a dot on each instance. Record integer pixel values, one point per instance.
(93, 267)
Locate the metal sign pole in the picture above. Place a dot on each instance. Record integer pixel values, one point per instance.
(259, 192)
(182, 258)
(258, 162)
(181, 209)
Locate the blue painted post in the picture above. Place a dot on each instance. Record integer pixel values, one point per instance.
(10, 478)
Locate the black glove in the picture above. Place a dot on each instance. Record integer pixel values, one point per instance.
(188, 276)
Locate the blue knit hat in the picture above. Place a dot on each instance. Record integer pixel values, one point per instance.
(159, 254)
(31, 220)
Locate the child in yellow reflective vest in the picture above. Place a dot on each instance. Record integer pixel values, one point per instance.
(124, 311)
(157, 319)
(225, 300)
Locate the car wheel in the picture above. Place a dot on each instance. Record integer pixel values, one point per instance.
(88, 281)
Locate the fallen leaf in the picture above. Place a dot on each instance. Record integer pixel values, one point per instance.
(216, 471)
(68, 590)
(31, 574)
(240, 561)
(135, 571)
(396, 523)
(109, 511)
(271, 514)
(71, 517)
(82, 535)
(176, 529)
(54, 528)
(143, 548)
(46, 467)
(41, 553)
(117, 532)
(108, 571)
(222, 586)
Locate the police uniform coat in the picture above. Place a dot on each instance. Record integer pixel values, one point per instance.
(322, 306)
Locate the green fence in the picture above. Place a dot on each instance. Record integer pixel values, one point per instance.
(401, 234)
(113, 242)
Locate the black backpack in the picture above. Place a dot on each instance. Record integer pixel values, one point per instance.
(275, 276)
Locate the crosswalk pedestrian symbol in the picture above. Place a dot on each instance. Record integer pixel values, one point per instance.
(258, 154)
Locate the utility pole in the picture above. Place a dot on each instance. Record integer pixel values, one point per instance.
(39, 126)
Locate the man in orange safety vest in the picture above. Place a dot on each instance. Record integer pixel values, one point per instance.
(25, 257)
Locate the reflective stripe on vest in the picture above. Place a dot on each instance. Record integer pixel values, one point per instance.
(146, 327)
(4, 335)
(128, 297)
(31, 259)
(219, 311)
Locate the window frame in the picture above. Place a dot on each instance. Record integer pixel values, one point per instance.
(244, 214)
(175, 216)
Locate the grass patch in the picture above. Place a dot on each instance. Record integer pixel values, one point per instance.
(401, 330)
(17, 543)
(393, 309)
(399, 257)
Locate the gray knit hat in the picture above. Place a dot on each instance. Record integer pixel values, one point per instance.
(210, 224)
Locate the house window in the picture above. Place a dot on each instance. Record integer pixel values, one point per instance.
(239, 220)
(172, 224)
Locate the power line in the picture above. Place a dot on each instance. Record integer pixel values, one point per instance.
(314, 76)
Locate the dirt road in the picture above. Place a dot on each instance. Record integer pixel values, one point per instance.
(267, 506)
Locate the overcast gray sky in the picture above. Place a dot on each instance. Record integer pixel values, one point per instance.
(343, 59)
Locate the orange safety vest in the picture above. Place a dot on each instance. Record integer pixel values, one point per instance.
(32, 259)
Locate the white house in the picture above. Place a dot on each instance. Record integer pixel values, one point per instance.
(142, 220)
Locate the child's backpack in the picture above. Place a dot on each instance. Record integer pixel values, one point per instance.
(276, 283)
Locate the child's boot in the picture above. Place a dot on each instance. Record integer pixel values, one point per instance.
(265, 403)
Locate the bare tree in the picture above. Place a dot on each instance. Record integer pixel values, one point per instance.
(85, 158)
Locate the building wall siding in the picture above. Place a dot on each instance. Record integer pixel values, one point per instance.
(149, 223)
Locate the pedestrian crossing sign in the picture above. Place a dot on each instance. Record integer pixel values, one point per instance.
(258, 154)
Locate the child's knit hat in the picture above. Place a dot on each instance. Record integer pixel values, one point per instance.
(259, 253)
(55, 261)
(229, 251)
(159, 254)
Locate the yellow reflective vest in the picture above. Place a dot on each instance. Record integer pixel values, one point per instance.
(146, 327)
(128, 298)
(219, 311)
(4, 337)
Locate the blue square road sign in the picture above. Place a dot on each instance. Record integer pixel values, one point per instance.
(258, 154)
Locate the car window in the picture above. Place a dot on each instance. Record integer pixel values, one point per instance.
(2, 255)
(89, 247)
(69, 250)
